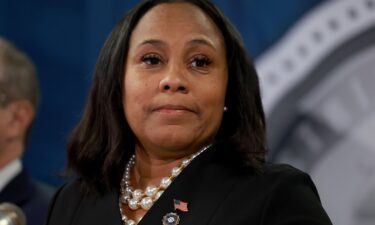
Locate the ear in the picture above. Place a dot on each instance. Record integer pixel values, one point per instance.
(22, 114)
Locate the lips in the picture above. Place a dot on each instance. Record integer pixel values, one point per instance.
(172, 108)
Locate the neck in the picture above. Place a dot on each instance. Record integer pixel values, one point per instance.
(10, 152)
(150, 169)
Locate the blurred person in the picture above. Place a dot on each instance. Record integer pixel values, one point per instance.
(174, 131)
(19, 99)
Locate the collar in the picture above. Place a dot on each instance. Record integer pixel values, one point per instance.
(8, 172)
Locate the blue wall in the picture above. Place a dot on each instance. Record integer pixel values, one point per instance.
(64, 38)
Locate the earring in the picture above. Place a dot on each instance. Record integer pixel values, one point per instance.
(225, 108)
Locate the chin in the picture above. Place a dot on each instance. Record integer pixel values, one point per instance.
(172, 140)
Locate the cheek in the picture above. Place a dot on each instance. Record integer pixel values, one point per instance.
(130, 95)
(217, 99)
(213, 102)
(216, 91)
(137, 94)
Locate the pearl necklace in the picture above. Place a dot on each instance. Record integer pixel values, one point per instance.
(137, 198)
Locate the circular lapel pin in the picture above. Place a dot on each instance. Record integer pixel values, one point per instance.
(171, 219)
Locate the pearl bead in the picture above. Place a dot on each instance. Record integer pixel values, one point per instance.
(133, 204)
(124, 198)
(151, 190)
(146, 203)
(176, 171)
(130, 222)
(185, 162)
(137, 194)
(165, 182)
(158, 194)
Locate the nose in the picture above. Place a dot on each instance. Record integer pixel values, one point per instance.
(174, 81)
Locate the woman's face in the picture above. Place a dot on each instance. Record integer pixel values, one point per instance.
(175, 79)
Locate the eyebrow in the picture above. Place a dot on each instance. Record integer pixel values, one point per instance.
(151, 42)
(197, 41)
(202, 41)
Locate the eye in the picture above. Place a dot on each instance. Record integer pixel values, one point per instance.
(200, 62)
(151, 59)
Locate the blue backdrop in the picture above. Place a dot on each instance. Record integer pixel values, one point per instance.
(64, 38)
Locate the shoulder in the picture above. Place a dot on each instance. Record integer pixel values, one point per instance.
(275, 177)
(72, 204)
(72, 188)
(289, 194)
(277, 180)
(68, 195)
(282, 180)
(283, 174)
(280, 194)
(65, 202)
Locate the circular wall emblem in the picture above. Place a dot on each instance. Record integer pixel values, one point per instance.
(319, 96)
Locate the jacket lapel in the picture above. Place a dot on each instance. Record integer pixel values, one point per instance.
(202, 185)
(19, 190)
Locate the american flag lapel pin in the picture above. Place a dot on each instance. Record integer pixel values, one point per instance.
(180, 205)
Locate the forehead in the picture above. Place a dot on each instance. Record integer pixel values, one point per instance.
(171, 20)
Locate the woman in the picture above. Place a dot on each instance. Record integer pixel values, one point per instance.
(174, 131)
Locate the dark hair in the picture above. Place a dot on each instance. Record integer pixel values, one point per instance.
(18, 79)
(102, 142)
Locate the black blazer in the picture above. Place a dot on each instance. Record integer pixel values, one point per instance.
(218, 192)
(33, 197)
